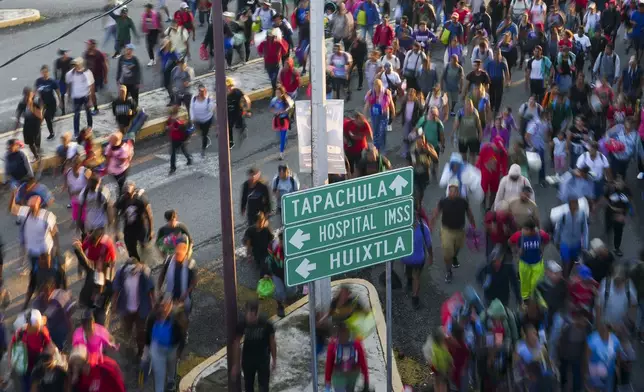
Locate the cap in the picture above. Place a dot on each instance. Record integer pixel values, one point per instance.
(454, 182)
(183, 6)
(62, 51)
(278, 16)
(252, 171)
(91, 41)
(266, 2)
(229, 14)
(477, 61)
(387, 65)
(129, 46)
(553, 266)
(35, 318)
(230, 82)
(584, 272)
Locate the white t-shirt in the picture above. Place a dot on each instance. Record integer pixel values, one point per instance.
(393, 76)
(583, 40)
(439, 101)
(538, 13)
(596, 165)
(37, 230)
(80, 82)
(535, 71)
(178, 38)
(394, 61)
(409, 111)
(76, 184)
(560, 147)
(131, 284)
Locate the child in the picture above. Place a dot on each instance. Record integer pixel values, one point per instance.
(508, 120)
(560, 154)
(498, 130)
(517, 155)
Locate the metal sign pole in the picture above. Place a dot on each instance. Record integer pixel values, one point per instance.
(312, 322)
(389, 327)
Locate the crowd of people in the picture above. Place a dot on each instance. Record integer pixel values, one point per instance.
(538, 324)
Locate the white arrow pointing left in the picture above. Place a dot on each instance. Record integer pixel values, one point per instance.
(305, 268)
(299, 238)
(398, 184)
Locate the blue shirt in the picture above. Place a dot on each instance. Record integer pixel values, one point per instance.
(638, 18)
(602, 360)
(41, 190)
(47, 89)
(511, 28)
(422, 241)
(537, 130)
(496, 69)
(631, 79)
(530, 246)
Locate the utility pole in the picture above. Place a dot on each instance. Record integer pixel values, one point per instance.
(226, 196)
(318, 124)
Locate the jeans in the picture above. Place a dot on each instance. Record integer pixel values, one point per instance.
(379, 125)
(272, 70)
(78, 105)
(110, 32)
(364, 31)
(178, 145)
(133, 91)
(575, 369)
(613, 226)
(283, 137)
(193, 6)
(259, 367)
(496, 94)
(164, 365)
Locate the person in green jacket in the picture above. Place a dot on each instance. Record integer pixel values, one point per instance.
(124, 28)
(433, 129)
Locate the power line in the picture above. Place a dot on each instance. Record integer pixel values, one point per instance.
(43, 45)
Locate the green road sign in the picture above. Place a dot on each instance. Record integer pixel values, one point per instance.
(320, 202)
(354, 225)
(348, 257)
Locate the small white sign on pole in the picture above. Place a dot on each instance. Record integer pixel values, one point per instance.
(334, 124)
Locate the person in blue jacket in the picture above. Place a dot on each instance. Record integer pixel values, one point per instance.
(423, 253)
(373, 17)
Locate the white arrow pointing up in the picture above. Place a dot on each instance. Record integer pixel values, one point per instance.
(305, 268)
(398, 184)
(299, 238)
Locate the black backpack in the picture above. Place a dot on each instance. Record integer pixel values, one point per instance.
(277, 179)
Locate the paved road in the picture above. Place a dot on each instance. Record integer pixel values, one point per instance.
(195, 195)
(59, 17)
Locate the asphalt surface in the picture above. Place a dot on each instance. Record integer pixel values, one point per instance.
(195, 195)
(57, 18)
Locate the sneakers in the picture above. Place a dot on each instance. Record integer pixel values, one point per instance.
(231, 145)
(172, 171)
(51, 136)
(452, 113)
(116, 55)
(94, 112)
(448, 277)
(618, 252)
(151, 63)
(281, 158)
(455, 263)
(640, 176)
(280, 311)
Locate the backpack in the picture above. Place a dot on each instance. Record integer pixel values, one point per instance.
(627, 287)
(601, 57)
(511, 321)
(24, 222)
(276, 181)
(577, 48)
(99, 196)
(19, 351)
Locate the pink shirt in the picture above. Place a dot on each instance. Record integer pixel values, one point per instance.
(95, 344)
(119, 158)
(150, 21)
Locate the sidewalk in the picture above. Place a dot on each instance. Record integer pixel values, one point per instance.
(15, 17)
(251, 78)
(294, 355)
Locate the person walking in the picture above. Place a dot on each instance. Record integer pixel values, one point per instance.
(17, 168)
(135, 210)
(124, 30)
(538, 131)
(202, 113)
(129, 72)
(258, 351)
(379, 104)
(571, 235)
(499, 78)
(453, 209)
(33, 114)
(538, 72)
(528, 244)
(179, 275)
(340, 63)
(62, 66)
(96, 62)
(256, 196)
(134, 299)
(238, 104)
(124, 109)
(281, 106)
(48, 90)
(272, 51)
(80, 83)
(119, 154)
(179, 135)
(423, 254)
(151, 27)
(94, 337)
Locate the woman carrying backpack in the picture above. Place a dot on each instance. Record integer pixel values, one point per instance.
(284, 182)
(29, 341)
(281, 106)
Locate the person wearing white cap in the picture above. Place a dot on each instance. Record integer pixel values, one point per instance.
(29, 341)
(80, 84)
(185, 17)
(453, 210)
(264, 15)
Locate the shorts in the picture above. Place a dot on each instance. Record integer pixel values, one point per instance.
(490, 182)
(411, 268)
(473, 145)
(569, 253)
(451, 242)
(598, 189)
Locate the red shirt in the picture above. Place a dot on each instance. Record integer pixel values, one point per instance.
(290, 79)
(176, 129)
(333, 364)
(103, 377)
(582, 293)
(104, 251)
(355, 136)
(185, 19)
(463, 15)
(491, 161)
(384, 35)
(499, 226)
(615, 115)
(35, 342)
(273, 50)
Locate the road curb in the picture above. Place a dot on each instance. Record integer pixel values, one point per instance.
(189, 382)
(151, 128)
(30, 15)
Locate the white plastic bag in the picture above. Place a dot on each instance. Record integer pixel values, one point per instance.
(534, 161)
(559, 211)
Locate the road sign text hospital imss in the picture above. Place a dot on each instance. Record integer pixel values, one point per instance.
(347, 195)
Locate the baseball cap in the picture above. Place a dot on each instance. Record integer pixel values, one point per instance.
(454, 182)
(387, 65)
(252, 171)
(129, 46)
(91, 41)
(35, 317)
(230, 82)
(184, 5)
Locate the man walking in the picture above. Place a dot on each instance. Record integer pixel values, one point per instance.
(80, 84)
(499, 77)
(129, 72)
(538, 71)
